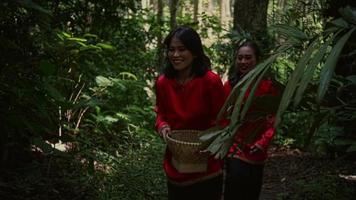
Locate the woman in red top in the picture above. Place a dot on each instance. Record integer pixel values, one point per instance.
(188, 96)
(244, 164)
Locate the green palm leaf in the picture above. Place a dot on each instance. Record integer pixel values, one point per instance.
(330, 64)
(293, 82)
(308, 74)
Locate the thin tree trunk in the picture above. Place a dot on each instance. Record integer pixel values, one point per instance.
(160, 56)
(211, 6)
(251, 16)
(224, 11)
(173, 5)
(195, 10)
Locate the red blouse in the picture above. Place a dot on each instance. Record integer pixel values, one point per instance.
(194, 106)
(262, 127)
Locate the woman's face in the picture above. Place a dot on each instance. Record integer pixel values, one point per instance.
(245, 59)
(180, 57)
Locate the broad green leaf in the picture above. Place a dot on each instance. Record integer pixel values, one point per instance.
(330, 64)
(207, 135)
(251, 95)
(309, 72)
(290, 31)
(293, 82)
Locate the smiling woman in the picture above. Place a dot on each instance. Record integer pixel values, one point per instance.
(248, 153)
(180, 57)
(188, 97)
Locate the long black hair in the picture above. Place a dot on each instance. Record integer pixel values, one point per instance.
(235, 75)
(191, 40)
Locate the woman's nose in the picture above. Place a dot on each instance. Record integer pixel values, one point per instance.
(176, 53)
(243, 60)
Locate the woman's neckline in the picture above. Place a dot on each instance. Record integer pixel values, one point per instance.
(184, 81)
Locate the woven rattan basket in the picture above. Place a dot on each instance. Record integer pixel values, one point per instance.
(186, 150)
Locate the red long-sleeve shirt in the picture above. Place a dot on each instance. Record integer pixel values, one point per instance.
(194, 106)
(262, 127)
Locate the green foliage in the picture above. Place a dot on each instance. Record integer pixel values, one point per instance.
(138, 174)
(317, 51)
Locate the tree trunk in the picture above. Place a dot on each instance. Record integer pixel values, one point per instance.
(173, 5)
(160, 56)
(251, 16)
(224, 11)
(211, 6)
(195, 10)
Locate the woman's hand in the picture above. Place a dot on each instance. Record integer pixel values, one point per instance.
(164, 131)
(255, 149)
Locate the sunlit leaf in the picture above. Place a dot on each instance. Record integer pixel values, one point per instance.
(106, 46)
(77, 39)
(40, 143)
(110, 119)
(122, 116)
(103, 81)
(128, 75)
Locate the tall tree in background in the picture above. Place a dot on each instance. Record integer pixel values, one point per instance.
(195, 10)
(225, 11)
(159, 34)
(173, 7)
(251, 16)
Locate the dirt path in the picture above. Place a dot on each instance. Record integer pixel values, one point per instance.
(292, 174)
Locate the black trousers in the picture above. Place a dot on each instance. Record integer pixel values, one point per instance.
(243, 180)
(208, 190)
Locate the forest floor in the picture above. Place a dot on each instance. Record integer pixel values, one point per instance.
(293, 174)
(290, 174)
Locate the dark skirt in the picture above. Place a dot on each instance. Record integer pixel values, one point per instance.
(243, 180)
(209, 189)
